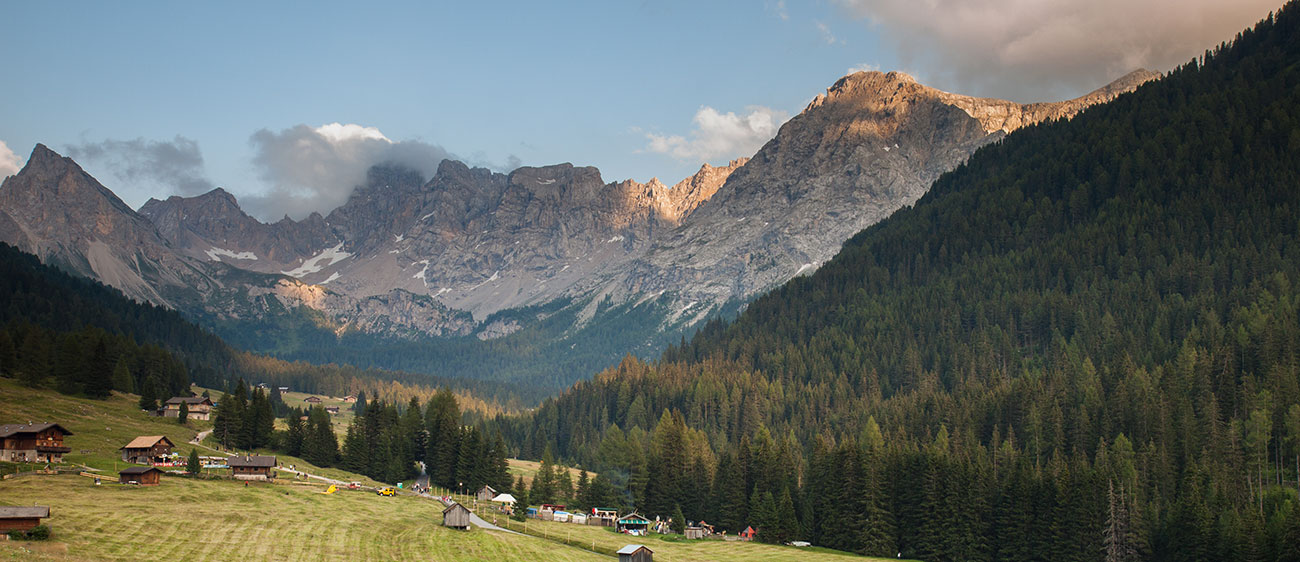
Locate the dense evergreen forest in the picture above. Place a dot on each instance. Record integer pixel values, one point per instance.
(82, 337)
(1080, 345)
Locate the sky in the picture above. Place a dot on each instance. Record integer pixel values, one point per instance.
(286, 105)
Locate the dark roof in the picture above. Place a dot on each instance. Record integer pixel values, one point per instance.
(454, 506)
(188, 400)
(138, 470)
(253, 461)
(9, 430)
(24, 512)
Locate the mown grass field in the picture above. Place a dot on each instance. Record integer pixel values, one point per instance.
(674, 548)
(189, 519)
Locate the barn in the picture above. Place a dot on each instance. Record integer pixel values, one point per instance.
(22, 518)
(456, 516)
(142, 475)
(635, 553)
(252, 467)
(148, 449)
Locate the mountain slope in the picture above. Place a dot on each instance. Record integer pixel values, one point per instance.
(1089, 325)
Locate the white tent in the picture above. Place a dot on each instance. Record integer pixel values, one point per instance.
(504, 498)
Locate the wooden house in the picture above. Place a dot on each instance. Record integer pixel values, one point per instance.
(147, 449)
(333, 410)
(485, 494)
(312, 400)
(252, 467)
(456, 516)
(22, 518)
(632, 523)
(636, 553)
(142, 475)
(196, 407)
(33, 442)
(350, 399)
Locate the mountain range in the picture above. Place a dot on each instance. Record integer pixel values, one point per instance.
(473, 253)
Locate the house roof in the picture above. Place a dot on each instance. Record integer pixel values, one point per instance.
(138, 470)
(188, 400)
(486, 487)
(251, 461)
(633, 549)
(24, 512)
(9, 430)
(454, 506)
(634, 518)
(147, 441)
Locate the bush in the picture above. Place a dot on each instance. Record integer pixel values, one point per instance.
(37, 533)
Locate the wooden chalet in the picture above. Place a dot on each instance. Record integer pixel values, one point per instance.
(252, 467)
(197, 407)
(312, 400)
(142, 475)
(485, 494)
(632, 523)
(334, 410)
(456, 516)
(33, 442)
(636, 553)
(148, 449)
(22, 518)
(350, 399)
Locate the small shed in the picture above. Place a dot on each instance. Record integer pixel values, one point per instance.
(456, 516)
(694, 533)
(22, 518)
(747, 534)
(578, 518)
(142, 475)
(485, 494)
(312, 400)
(632, 523)
(636, 553)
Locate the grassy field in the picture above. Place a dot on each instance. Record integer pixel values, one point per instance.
(99, 427)
(529, 469)
(189, 519)
(673, 548)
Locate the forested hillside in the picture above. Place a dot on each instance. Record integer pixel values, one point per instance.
(82, 337)
(1080, 345)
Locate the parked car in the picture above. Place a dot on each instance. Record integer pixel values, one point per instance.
(386, 491)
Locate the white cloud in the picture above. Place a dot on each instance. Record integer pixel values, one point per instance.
(864, 67)
(1045, 49)
(141, 166)
(9, 162)
(721, 135)
(826, 34)
(315, 169)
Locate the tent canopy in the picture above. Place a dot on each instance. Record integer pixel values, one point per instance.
(504, 498)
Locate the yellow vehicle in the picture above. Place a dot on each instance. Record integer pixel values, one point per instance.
(386, 491)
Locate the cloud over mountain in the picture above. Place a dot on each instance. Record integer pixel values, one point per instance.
(314, 169)
(1049, 49)
(9, 162)
(721, 135)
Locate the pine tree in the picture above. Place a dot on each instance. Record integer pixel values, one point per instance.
(122, 379)
(184, 414)
(582, 495)
(97, 378)
(193, 466)
(148, 400)
(33, 360)
(678, 524)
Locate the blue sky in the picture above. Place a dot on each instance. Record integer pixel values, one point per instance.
(146, 93)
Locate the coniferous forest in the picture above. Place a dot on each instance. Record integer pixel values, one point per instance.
(1080, 345)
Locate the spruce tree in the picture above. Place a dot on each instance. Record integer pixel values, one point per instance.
(184, 414)
(193, 466)
(122, 379)
(678, 524)
(148, 400)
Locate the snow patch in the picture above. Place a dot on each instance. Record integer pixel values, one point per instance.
(425, 217)
(423, 272)
(399, 237)
(314, 264)
(618, 238)
(545, 182)
(394, 251)
(216, 252)
(803, 268)
(333, 276)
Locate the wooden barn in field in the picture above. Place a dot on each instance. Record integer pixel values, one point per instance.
(456, 516)
(252, 467)
(485, 494)
(22, 518)
(33, 442)
(636, 553)
(147, 449)
(142, 475)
